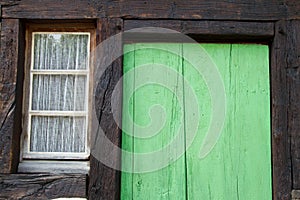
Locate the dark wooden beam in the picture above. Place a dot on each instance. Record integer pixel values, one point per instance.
(261, 10)
(105, 181)
(293, 9)
(293, 80)
(41, 186)
(282, 180)
(204, 31)
(10, 58)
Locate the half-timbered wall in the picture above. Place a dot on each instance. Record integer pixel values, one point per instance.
(272, 22)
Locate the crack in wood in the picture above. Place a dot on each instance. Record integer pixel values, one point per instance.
(8, 113)
(42, 186)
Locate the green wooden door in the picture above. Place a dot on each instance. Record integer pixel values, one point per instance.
(238, 166)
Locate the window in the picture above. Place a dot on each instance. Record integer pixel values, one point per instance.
(56, 101)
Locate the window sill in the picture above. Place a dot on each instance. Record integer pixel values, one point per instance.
(54, 167)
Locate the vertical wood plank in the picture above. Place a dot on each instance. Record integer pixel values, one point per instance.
(293, 81)
(282, 181)
(239, 166)
(9, 54)
(127, 138)
(169, 182)
(242, 157)
(203, 176)
(104, 182)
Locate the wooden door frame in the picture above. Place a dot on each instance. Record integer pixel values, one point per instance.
(273, 34)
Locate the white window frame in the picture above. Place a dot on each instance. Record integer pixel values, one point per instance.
(27, 157)
(56, 155)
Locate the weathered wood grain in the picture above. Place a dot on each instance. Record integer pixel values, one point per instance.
(104, 181)
(224, 31)
(169, 182)
(282, 181)
(9, 54)
(293, 81)
(42, 186)
(189, 9)
(292, 9)
(242, 155)
(284, 73)
(0, 22)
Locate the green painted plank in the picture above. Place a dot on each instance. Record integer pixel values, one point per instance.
(160, 184)
(239, 166)
(127, 139)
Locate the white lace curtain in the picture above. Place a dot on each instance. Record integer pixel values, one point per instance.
(59, 92)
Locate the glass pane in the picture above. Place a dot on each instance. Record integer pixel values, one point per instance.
(58, 134)
(59, 92)
(60, 51)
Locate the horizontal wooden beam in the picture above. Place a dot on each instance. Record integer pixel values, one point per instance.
(232, 31)
(189, 9)
(41, 186)
(293, 9)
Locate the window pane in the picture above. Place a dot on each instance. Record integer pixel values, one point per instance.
(59, 92)
(57, 134)
(60, 51)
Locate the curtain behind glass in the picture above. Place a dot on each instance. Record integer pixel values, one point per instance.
(63, 92)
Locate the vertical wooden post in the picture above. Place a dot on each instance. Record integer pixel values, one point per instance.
(280, 138)
(10, 115)
(104, 181)
(293, 82)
